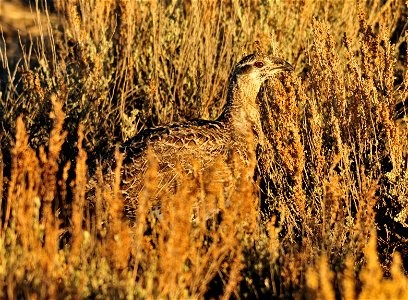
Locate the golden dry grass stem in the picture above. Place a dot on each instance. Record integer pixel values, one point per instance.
(29, 214)
(1, 190)
(119, 239)
(78, 202)
(332, 170)
(193, 239)
(373, 283)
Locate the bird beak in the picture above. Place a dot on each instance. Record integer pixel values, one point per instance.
(286, 67)
(279, 65)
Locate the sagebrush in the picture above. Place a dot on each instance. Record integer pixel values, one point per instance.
(325, 214)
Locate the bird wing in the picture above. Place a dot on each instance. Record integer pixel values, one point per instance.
(194, 134)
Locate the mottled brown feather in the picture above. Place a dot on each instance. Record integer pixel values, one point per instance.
(237, 130)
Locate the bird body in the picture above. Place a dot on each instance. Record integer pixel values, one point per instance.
(234, 132)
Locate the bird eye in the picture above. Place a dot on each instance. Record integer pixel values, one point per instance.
(259, 64)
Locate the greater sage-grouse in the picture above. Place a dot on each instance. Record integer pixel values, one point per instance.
(236, 130)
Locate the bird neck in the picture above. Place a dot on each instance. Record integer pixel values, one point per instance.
(242, 110)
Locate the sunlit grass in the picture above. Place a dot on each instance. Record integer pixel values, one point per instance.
(324, 215)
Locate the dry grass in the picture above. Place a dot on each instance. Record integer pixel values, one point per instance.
(325, 216)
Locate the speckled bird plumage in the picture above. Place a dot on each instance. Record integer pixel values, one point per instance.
(238, 127)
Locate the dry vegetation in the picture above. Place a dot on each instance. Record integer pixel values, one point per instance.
(325, 216)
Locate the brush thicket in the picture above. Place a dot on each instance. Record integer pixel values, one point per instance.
(329, 218)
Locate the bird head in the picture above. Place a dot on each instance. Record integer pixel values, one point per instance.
(258, 67)
(246, 80)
